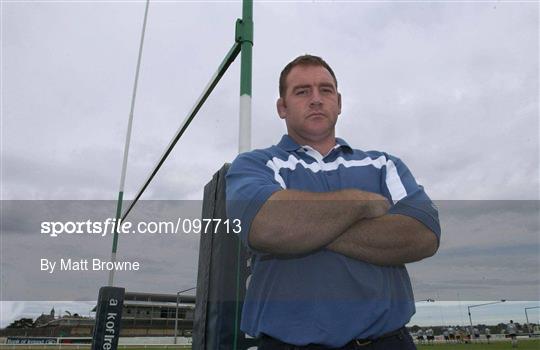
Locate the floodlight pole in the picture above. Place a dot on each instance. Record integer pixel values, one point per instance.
(471, 306)
(176, 315)
(527, 318)
(429, 300)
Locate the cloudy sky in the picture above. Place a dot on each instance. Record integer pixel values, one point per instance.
(449, 87)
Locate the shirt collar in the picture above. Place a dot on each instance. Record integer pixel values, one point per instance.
(289, 145)
(343, 144)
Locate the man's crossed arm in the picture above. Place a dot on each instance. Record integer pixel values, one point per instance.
(349, 222)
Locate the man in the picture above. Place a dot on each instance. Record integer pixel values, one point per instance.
(487, 331)
(511, 329)
(460, 335)
(429, 336)
(330, 228)
(420, 336)
(476, 333)
(446, 335)
(452, 335)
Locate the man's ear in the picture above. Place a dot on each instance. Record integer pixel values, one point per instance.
(281, 108)
(339, 103)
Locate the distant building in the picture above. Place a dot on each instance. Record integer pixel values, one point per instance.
(150, 314)
(144, 314)
(44, 319)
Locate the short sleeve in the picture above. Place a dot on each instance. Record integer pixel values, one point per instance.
(249, 183)
(408, 197)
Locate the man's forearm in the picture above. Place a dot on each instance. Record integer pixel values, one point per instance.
(388, 240)
(297, 222)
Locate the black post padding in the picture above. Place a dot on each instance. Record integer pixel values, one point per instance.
(108, 318)
(216, 319)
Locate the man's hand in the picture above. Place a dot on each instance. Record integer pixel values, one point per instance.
(386, 240)
(375, 205)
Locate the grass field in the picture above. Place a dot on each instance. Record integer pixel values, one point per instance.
(525, 344)
(522, 345)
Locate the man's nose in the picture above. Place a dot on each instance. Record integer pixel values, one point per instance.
(316, 100)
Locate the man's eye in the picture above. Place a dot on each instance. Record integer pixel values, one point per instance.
(301, 92)
(327, 90)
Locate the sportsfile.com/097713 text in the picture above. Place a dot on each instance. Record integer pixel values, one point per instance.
(103, 228)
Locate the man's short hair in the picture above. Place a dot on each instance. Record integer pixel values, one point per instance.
(304, 60)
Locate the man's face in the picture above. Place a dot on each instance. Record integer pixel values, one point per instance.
(311, 104)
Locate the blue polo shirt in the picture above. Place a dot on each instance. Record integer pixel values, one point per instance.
(323, 297)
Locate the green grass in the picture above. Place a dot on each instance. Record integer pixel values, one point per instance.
(154, 347)
(87, 347)
(524, 344)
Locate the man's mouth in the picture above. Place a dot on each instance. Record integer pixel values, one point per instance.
(319, 114)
